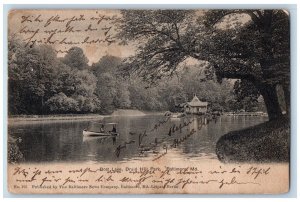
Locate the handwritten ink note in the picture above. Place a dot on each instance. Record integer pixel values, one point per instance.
(63, 29)
(164, 177)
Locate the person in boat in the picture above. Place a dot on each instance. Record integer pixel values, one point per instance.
(102, 128)
(114, 129)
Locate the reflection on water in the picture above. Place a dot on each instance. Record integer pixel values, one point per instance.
(140, 137)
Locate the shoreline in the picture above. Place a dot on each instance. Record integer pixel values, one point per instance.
(71, 117)
(264, 143)
(33, 118)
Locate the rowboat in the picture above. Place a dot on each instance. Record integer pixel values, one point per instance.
(91, 131)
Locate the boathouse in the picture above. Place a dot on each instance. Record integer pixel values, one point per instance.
(195, 106)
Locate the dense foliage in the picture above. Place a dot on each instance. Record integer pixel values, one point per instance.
(251, 45)
(41, 83)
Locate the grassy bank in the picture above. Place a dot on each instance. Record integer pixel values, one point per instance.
(266, 142)
(54, 117)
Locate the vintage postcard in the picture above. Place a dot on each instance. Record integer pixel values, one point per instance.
(148, 101)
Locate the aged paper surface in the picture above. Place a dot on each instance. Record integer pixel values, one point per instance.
(163, 176)
(63, 77)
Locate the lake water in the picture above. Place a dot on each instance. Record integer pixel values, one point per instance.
(138, 138)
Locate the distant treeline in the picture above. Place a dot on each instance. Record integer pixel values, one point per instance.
(41, 83)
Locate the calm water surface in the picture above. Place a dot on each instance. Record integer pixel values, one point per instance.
(63, 141)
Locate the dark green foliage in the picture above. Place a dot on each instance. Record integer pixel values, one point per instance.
(75, 58)
(39, 83)
(246, 96)
(111, 88)
(252, 45)
(60, 103)
(14, 154)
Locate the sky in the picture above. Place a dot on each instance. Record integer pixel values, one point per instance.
(60, 27)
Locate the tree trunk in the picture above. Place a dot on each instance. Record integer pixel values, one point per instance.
(269, 94)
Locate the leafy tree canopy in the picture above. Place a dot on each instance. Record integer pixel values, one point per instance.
(256, 50)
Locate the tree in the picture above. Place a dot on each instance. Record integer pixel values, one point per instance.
(85, 91)
(15, 95)
(172, 94)
(112, 89)
(256, 50)
(122, 98)
(106, 91)
(75, 58)
(73, 86)
(246, 95)
(39, 83)
(60, 103)
(107, 63)
(144, 98)
(30, 72)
